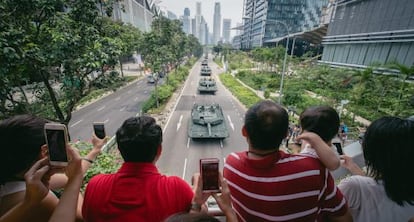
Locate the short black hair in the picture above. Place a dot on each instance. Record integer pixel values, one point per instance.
(388, 148)
(191, 217)
(322, 120)
(266, 124)
(138, 139)
(21, 138)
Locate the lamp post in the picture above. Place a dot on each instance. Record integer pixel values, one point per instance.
(286, 53)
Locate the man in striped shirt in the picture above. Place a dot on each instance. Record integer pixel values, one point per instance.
(267, 184)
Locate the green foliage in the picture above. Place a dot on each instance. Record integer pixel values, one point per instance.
(243, 94)
(105, 163)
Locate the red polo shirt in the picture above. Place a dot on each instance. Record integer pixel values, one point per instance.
(137, 192)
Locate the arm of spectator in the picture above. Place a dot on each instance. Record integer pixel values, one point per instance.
(36, 190)
(224, 201)
(350, 165)
(200, 197)
(327, 156)
(67, 209)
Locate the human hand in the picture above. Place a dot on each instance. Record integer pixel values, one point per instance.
(200, 197)
(37, 181)
(98, 143)
(224, 199)
(348, 163)
(74, 168)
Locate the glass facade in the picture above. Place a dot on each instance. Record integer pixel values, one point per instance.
(363, 32)
(265, 18)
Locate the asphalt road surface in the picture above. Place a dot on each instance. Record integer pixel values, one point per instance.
(181, 154)
(112, 110)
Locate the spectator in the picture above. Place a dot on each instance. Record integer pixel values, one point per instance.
(23, 143)
(37, 178)
(267, 184)
(320, 122)
(387, 193)
(137, 192)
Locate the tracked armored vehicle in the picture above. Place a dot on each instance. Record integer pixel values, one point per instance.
(205, 71)
(207, 122)
(207, 85)
(204, 62)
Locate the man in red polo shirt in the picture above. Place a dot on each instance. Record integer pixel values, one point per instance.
(137, 192)
(267, 184)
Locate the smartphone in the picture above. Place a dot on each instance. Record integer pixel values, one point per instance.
(339, 148)
(99, 129)
(209, 170)
(57, 138)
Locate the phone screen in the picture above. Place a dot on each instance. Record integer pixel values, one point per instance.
(339, 148)
(99, 130)
(56, 144)
(210, 175)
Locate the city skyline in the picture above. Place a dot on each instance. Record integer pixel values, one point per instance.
(230, 9)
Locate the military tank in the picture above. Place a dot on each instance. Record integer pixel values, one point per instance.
(207, 121)
(205, 71)
(207, 85)
(204, 62)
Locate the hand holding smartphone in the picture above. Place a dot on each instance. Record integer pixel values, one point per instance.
(209, 170)
(99, 129)
(57, 138)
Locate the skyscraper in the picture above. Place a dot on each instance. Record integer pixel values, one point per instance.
(186, 21)
(226, 30)
(217, 23)
(198, 21)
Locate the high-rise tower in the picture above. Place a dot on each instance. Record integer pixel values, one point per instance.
(226, 30)
(186, 21)
(217, 23)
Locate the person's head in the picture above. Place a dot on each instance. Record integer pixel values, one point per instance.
(22, 137)
(265, 125)
(322, 120)
(388, 147)
(139, 139)
(191, 217)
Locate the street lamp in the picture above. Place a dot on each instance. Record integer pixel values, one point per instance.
(286, 53)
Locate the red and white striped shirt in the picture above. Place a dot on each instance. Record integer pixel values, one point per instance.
(282, 187)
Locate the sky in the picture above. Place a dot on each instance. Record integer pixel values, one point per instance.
(231, 9)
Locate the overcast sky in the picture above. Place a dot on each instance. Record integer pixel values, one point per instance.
(231, 9)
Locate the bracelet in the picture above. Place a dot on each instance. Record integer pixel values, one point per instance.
(89, 160)
(195, 207)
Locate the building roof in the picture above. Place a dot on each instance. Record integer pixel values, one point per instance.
(313, 36)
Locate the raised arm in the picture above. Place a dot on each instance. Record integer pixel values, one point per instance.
(350, 165)
(327, 156)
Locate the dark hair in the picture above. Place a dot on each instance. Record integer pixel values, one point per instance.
(21, 139)
(191, 217)
(138, 139)
(322, 120)
(388, 148)
(266, 124)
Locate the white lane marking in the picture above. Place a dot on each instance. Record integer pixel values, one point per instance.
(230, 122)
(185, 167)
(188, 143)
(103, 107)
(117, 98)
(221, 143)
(106, 121)
(76, 123)
(122, 109)
(179, 122)
(136, 99)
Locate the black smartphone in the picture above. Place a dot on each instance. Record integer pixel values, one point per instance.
(209, 170)
(57, 138)
(339, 148)
(99, 129)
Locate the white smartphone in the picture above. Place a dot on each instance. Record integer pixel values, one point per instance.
(57, 138)
(99, 129)
(209, 170)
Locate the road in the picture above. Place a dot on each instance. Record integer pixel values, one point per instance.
(113, 109)
(180, 155)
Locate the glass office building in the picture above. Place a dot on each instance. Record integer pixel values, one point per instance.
(264, 18)
(363, 32)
